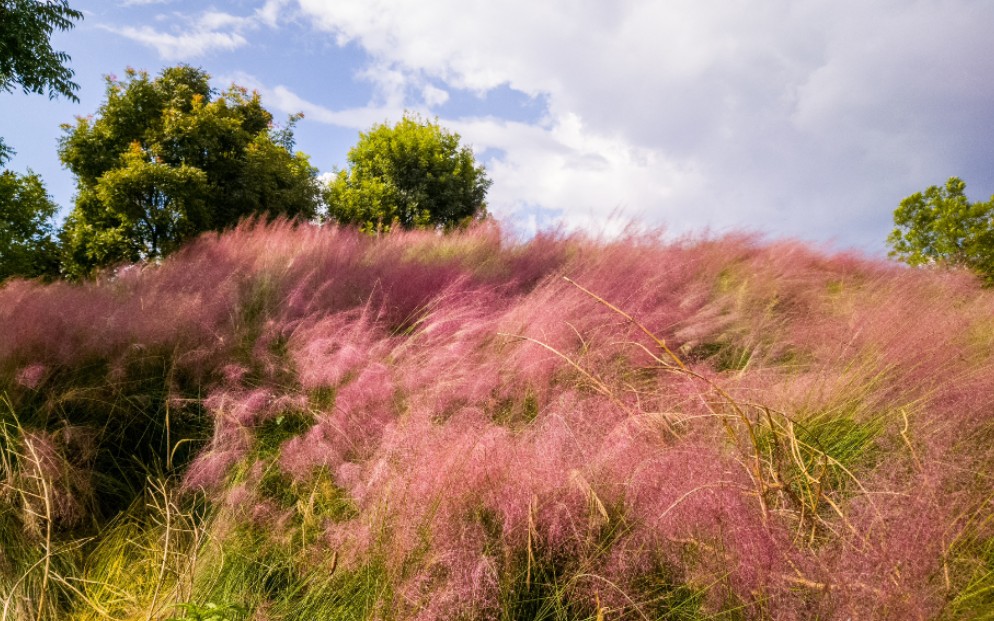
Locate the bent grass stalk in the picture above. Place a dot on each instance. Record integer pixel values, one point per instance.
(47, 500)
(809, 507)
(678, 366)
(778, 482)
(35, 472)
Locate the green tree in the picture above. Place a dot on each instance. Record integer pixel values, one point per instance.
(941, 226)
(411, 175)
(167, 158)
(26, 55)
(27, 230)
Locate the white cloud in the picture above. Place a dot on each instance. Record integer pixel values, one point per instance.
(183, 46)
(804, 117)
(434, 96)
(284, 100)
(271, 12)
(191, 36)
(563, 167)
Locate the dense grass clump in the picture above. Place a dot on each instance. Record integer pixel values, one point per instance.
(291, 422)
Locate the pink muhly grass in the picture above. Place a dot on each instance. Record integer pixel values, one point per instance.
(31, 376)
(484, 415)
(327, 351)
(212, 466)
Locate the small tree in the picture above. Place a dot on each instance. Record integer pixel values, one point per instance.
(166, 159)
(27, 243)
(942, 226)
(26, 55)
(411, 175)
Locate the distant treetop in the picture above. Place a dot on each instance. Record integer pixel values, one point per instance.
(410, 175)
(165, 159)
(941, 226)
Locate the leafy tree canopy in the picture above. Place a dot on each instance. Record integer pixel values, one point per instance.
(411, 175)
(26, 55)
(27, 231)
(167, 158)
(940, 225)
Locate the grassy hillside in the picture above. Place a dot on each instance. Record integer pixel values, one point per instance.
(299, 423)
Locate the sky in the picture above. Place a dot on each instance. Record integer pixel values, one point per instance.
(805, 119)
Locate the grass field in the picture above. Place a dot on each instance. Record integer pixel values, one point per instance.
(306, 423)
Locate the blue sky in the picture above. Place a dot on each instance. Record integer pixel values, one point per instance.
(792, 118)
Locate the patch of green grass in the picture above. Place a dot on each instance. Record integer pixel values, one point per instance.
(539, 590)
(974, 600)
(260, 298)
(249, 570)
(209, 612)
(969, 567)
(814, 461)
(245, 568)
(663, 599)
(316, 498)
(126, 418)
(724, 355)
(829, 446)
(322, 399)
(352, 595)
(33, 571)
(273, 432)
(978, 339)
(516, 412)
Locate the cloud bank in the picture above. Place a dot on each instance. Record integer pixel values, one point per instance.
(808, 117)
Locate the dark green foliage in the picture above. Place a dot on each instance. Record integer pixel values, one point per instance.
(5, 152)
(27, 231)
(942, 226)
(168, 158)
(411, 175)
(26, 55)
